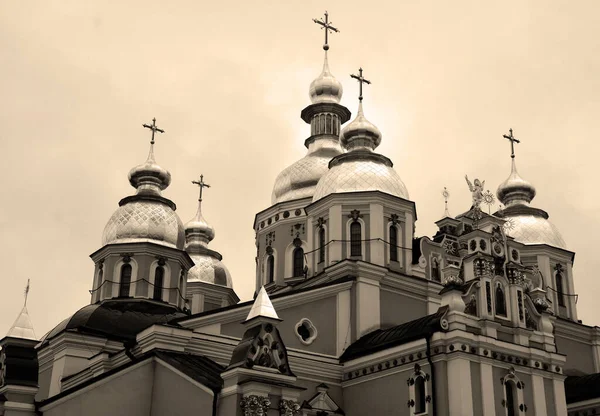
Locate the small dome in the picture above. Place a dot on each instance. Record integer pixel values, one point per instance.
(209, 269)
(360, 133)
(325, 88)
(515, 190)
(533, 229)
(144, 220)
(300, 179)
(361, 175)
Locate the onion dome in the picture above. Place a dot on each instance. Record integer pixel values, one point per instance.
(360, 169)
(325, 88)
(526, 224)
(208, 266)
(325, 116)
(515, 190)
(147, 215)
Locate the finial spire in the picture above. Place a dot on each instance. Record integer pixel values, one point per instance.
(325, 24)
(360, 80)
(154, 129)
(26, 293)
(201, 184)
(512, 139)
(446, 195)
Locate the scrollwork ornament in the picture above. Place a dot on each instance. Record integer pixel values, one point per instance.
(289, 408)
(255, 405)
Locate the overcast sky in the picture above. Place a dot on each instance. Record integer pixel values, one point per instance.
(227, 82)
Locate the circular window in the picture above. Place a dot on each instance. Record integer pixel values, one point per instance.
(482, 245)
(473, 245)
(306, 331)
(297, 212)
(286, 214)
(276, 217)
(497, 249)
(515, 254)
(269, 221)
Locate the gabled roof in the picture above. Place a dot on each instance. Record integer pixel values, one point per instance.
(382, 339)
(580, 388)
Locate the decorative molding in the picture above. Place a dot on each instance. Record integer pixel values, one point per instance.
(310, 327)
(355, 215)
(255, 405)
(289, 408)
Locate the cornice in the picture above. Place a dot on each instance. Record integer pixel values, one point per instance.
(363, 197)
(280, 207)
(146, 248)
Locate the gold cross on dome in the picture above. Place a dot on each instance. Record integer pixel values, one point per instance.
(512, 139)
(360, 80)
(202, 185)
(327, 26)
(154, 129)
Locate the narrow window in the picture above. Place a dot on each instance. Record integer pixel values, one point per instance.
(510, 399)
(322, 124)
(321, 245)
(329, 125)
(393, 243)
(270, 268)
(559, 289)
(159, 276)
(435, 270)
(500, 301)
(298, 261)
(355, 237)
(125, 280)
(419, 395)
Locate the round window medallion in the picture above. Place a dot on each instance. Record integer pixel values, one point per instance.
(297, 212)
(515, 254)
(276, 217)
(269, 221)
(482, 245)
(286, 214)
(473, 245)
(497, 248)
(262, 224)
(306, 331)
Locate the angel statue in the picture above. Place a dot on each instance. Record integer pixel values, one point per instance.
(476, 191)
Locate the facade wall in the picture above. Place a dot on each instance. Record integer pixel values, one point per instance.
(128, 394)
(381, 396)
(476, 388)
(579, 355)
(397, 309)
(44, 380)
(175, 396)
(550, 400)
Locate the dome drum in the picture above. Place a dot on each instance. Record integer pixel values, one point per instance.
(315, 109)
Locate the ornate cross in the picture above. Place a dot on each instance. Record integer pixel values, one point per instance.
(361, 80)
(327, 26)
(154, 129)
(512, 139)
(202, 185)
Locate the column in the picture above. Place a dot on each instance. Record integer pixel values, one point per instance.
(376, 230)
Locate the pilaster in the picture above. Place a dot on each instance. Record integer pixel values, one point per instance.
(460, 392)
(539, 395)
(368, 309)
(335, 233)
(376, 231)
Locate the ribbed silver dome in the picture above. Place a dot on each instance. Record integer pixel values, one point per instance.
(300, 179)
(146, 216)
(210, 270)
(526, 224)
(361, 175)
(143, 221)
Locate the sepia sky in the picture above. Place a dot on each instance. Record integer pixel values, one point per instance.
(227, 81)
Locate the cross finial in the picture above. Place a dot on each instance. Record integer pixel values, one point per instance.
(325, 24)
(512, 139)
(154, 129)
(202, 185)
(26, 292)
(360, 80)
(446, 195)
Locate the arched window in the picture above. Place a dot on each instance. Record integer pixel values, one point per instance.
(511, 402)
(270, 268)
(298, 262)
(419, 395)
(435, 269)
(321, 245)
(559, 289)
(125, 281)
(500, 301)
(322, 124)
(159, 277)
(355, 237)
(329, 125)
(393, 243)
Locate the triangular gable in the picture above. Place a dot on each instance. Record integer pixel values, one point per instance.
(322, 402)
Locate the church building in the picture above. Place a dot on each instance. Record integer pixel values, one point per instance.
(353, 313)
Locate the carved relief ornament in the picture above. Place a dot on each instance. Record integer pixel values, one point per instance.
(255, 405)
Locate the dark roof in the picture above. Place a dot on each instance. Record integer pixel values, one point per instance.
(198, 367)
(382, 339)
(579, 388)
(120, 319)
